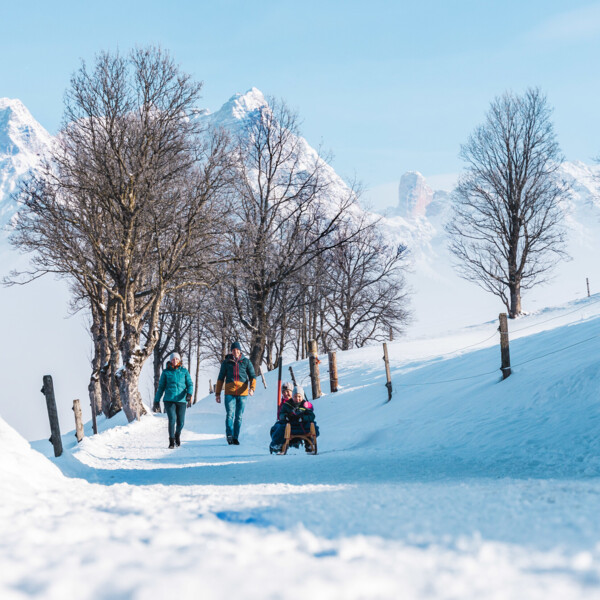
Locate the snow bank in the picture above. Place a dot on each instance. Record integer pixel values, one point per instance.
(23, 471)
(463, 486)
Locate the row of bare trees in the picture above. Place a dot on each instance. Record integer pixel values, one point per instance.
(174, 235)
(302, 261)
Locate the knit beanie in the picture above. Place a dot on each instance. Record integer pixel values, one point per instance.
(236, 345)
(298, 390)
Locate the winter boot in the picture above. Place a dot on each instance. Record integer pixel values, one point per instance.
(229, 440)
(235, 442)
(171, 443)
(177, 440)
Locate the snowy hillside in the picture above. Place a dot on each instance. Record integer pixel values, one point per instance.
(463, 486)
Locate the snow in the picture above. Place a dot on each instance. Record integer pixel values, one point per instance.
(472, 488)
(463, 486)
(23, 141)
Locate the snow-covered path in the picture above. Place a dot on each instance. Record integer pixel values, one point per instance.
(217, 527)
(479, 489)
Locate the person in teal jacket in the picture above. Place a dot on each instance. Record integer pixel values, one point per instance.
(176, 385)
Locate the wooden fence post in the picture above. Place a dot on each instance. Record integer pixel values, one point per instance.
(48, 391)
(78, 420)
(293, 376)
(210, 386)
(333, 375)
(504, 349)
(587, 282)
(313, 361)
(388, 375)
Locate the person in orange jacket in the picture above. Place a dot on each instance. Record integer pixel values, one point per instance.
(238, 377)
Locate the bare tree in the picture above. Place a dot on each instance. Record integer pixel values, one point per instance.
(129, 191)
(285, 219)
(505, 229)
(365, 295)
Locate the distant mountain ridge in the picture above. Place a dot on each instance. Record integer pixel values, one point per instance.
(416, 222)
(23, 142)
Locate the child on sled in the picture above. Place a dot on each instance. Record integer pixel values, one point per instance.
(297, 411)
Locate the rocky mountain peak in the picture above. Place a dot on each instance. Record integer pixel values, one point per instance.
(239, 106)
(23, 141)
(19, 131)
(414, 195)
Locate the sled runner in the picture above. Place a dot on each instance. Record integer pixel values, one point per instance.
(295, 439)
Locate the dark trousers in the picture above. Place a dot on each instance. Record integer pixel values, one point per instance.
(176, 413)
(278, 431)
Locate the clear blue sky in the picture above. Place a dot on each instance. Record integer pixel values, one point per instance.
(386, 86)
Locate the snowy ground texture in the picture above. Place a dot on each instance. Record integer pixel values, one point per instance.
(462, 486)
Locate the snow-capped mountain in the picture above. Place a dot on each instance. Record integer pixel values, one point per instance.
(416, 222)
(241, 109)
(23, 141)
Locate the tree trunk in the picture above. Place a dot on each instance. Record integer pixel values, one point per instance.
(197, 362)
(108, 324)
(257, 350)
(224, 341)
(259, 334)
(94, 389)
(345, 337)
(157, 364)
(129, 374)
(113, 329)
(128, 379)
(515, 300)
(272, 360)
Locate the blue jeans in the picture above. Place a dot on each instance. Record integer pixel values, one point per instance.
(234, 405)
(176, 413)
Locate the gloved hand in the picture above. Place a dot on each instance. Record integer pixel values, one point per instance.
(189, 400)
(156, 407)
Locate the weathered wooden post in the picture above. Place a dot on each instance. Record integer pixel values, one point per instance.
(587, 282)
(313, 361)
(293, 376)
(333, 375)
(210, 386)
(388, 375)
(48, 391)
(78, 420)
(504, 349)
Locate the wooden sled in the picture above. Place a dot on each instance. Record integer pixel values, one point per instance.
(309, 439)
